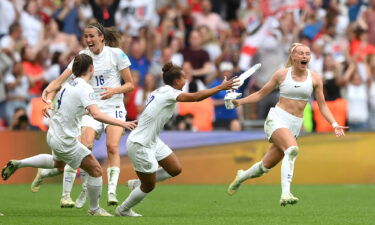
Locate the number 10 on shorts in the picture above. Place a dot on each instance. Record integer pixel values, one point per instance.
(119, 114)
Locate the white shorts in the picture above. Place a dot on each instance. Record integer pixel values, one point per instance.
(117, 112)
(71, 154)
(145, 159)
(279, 118)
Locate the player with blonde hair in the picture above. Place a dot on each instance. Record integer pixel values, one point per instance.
(283, 124)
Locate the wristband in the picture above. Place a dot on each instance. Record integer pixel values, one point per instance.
(334, 125)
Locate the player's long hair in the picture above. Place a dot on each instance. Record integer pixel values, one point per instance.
(81, 64)
(291, 50)
(171, 73)
(111, 36)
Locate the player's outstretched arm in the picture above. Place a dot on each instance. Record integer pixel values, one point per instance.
(263, 92)
(326, 112)
(55, 85)
(200, 95)
(98, 115)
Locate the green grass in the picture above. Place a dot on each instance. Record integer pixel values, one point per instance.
(201, 205)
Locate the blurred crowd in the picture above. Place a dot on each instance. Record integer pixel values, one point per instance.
(209, 39)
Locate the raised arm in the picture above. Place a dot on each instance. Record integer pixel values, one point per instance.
(56, 84)
(326, 112)
(127, 87)
(200, 95)
(264, 91)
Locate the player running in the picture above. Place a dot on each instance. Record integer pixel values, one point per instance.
(145, 149)
(74, 99)
(284, 121)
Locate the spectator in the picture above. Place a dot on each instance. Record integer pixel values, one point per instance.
(210, 43)
(129, 100)
(20, 120)
(136, 14)
(8, 16)
(17, 84)
(224, 118)
(208, 18)
(68, 17)
(371, 71)
(104, 11)
(9, 43)
(357, 97)
(32, 27)
(197, 57)
(139, 60)
(143, 93)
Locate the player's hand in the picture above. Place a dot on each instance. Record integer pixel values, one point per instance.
(340, 131)
(229, 84)
(131, 125)
(108, 93)
(45, 94)
(46, 108)
(235, 102)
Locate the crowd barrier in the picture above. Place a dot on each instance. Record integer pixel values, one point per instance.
(214, 157)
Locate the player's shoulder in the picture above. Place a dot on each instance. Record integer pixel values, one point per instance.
(280, 73)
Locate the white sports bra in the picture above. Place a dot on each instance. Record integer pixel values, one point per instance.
(296, 90)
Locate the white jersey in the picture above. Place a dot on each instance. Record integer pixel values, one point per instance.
(72, 100)
(159, 109)
(107, 65)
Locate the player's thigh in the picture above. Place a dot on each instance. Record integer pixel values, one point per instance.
(272, 157)
(283, 138)
(88, 136)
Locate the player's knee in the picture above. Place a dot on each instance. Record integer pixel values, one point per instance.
(112, 148)
(146, 188)
(175, 171)
(96, 171)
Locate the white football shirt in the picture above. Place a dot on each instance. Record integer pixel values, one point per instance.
(72, 100)
(159, 109)
(107, 65)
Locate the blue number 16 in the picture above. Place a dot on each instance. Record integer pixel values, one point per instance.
(99, 80)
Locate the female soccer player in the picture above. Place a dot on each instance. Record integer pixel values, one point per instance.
(145, 149)
(284, 121)
(74, 99)
(110, 65)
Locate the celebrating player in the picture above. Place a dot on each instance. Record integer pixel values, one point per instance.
(111, 64)
(145, 149)
(74, 99)
(284, 121)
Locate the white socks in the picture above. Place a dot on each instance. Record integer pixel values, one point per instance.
(68, 181)
(256, 170)
(162, 174)
(94, 190)
(49, 172)
(113, 173)
(38, 161)
(133, 199)
(287, 168)
(84, 177)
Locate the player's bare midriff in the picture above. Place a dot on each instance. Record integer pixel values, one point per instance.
(294, 107)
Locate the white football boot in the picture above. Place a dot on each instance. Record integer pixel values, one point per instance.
(233, 187)
(288, 199)
(98, 212)
(37, 182)
(66, 201)
(81, 200)
(128, 212)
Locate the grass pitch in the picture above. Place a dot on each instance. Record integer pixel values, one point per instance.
(200, 205)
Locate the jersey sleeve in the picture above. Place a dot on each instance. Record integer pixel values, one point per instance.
(122, 60)
(173, 94)
(87, 97)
